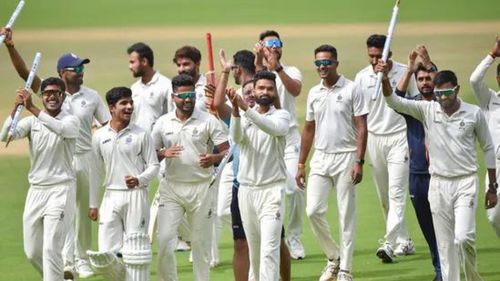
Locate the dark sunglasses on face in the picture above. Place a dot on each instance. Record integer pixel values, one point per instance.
(273, 43)
(319, 63)
(77, 69)
(49, 93)
(186, 95)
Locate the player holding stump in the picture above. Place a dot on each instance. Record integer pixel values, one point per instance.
(52, 135)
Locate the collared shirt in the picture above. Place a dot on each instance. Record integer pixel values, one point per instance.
(52, 143)
(381, 119)
(151, 100)
(287, 101)
(86, 104)
(199, 88)
(197, 135)
(261, 140)
(488, 99)
(129, 152)
(333, 110)
(451, 139)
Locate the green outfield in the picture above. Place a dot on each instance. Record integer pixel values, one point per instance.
(457, 33)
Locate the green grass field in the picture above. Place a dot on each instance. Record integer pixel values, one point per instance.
(457, 33)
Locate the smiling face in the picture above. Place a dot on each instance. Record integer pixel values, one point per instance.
(374, 54)
(122, 109)
(185, 104)
(52, 98)
(274, 48)
(187, 66)
(324, 70)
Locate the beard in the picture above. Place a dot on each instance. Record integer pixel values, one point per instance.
(265, 101)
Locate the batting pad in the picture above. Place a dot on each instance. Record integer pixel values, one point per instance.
(137, 256)
(107, 264)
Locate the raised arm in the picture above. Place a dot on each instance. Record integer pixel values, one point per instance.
(405, 79)
(479, 87)
(291, 80)
(222, 108)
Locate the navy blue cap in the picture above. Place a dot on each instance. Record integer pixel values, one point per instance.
(70, 60)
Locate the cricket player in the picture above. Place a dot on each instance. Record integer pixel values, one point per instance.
(52, 135)
(336, 121)
(186, 138)
(261, 137)
(188, 60)
(489, 101)
(126, 159)
(388, 151)
(452, 127)
(288, 84)
(424, 73)
(87, 105)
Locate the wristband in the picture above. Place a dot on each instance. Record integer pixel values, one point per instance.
(492, 55)
(493, 186)
(279, 69)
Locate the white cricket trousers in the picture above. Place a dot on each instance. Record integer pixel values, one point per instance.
(261, 210)
(493, 214)
(79, 232)
(224, 194)
(294, 195)
(453, 204)
(44, 217)
(195, 201)
(330, 171)
(122, 212)
(390, 171)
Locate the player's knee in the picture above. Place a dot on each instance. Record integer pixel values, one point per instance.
(314, 213)
(463, 239)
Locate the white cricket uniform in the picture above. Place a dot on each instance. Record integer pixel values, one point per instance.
(489, 101)
(262, 174)
(294, 194)
(123, 211)
(454, 182)
(88, 106)
(151, 100)
(331, 164)
(199, 88)
(387, 149)
(52, 142)
(184, 189)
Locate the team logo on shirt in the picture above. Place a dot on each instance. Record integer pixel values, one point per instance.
(339, 98)
(210, 213)
(278, 215)
(462, 125)
(128, 140)
(195, 132)
(143, 223)
(83, 103)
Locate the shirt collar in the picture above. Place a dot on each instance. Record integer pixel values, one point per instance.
(126, 129)
(394, 69)
(339, 84)
(461, 109)
(195, 115)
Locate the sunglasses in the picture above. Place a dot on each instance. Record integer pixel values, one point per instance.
(49, 93)
(77, 69)
(445, 92)
(319, 63)
(273, 43)
(185, 95)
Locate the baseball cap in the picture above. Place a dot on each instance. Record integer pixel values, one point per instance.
(70, 60)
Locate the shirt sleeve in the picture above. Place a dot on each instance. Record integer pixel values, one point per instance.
(156, 134)
(309, 107)
(22, 130)
(98, 169)
(294, 73)
(359, 106)
(479, 87)
(410, 107)
(484, 138)
(275, 125)
(67, 127)
(218, 131)
(101, 113)
(235, 129)
(151, 159)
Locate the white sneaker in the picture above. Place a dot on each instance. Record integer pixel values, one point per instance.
(385, 253)
(191, 257)
(297, 251)
(344, 276)
(69, 272)
(405, 249)
(182, 246)
(214, 263)
(330, 271)
(83, 269)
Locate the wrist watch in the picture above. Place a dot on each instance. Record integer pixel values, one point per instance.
(360, 161)
(492, 187)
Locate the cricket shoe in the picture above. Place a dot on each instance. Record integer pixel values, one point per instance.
(344, 276)
(385, 253)
(330, 271)
(405, 249)
(83, 269)
(182, 246)
(297, 251)
(69, 272)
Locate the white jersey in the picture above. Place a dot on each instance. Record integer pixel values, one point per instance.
(287, 101)
(261, 141)
(451, 139)
(333, 110)
(129, 152)
(382, 120)
(151, 100)
(52, 142)
(197, 135)
(199, 88)
(488, 99)
(86, 104)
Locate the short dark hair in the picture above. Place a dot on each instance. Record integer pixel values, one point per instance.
(376, 41)
(144, 51)
(182, 80)
(264, 75)
(498, 69)
(116, 94)
(245, 59)
(53, 81)
(268, 33)
(326, 48)
(189, 52)
(445, 76)
(421, 67)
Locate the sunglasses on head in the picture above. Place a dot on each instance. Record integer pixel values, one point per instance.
(273, 43)
(186, 95)
(319, 63)
(49, 93)
(77, 69)
(445, 92)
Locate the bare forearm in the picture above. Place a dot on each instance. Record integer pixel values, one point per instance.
(361, 127)
(306, 142)
(386, 87)
(492, 177)
(405, 80)
(292, 86)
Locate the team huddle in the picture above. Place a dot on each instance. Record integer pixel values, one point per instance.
(236, 156)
